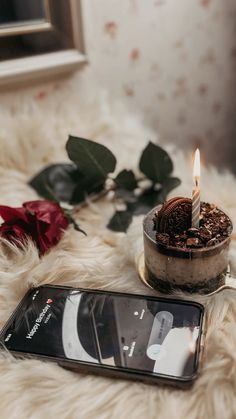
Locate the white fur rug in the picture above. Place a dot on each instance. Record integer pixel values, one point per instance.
(33, 129)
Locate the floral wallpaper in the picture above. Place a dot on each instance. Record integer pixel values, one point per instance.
(173, 62)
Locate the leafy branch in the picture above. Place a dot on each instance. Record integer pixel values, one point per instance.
(91, 173)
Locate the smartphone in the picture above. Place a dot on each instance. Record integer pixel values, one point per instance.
(115, 334)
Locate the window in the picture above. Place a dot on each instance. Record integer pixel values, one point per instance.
(39, 38)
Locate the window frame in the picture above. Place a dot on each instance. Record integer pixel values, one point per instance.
(44, 65)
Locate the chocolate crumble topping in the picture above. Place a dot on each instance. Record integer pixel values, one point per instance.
(173, 225)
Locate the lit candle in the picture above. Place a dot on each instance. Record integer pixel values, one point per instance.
(196, 191)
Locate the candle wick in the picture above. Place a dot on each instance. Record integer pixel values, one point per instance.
(196, 182)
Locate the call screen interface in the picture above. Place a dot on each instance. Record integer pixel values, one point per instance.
(108, 329)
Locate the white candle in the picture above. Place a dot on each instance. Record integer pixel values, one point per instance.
(196, 191)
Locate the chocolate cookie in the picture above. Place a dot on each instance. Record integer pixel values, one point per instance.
(174, 216)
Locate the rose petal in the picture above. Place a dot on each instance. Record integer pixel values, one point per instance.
(9, 214)
(14, 233)
(42, 209)
(43, 244)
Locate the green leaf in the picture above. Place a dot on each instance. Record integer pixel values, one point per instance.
(169, 184)
(65, 183)
(155, 163)
(126, 180)
(93, 160)
(145, 202)
(86, 186)
(56, 182)
(120, 221)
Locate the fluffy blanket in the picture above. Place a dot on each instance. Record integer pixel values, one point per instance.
(34, 125)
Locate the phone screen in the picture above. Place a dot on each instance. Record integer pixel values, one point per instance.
(124, 331)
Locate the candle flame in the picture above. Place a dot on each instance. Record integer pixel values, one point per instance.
(197, 167)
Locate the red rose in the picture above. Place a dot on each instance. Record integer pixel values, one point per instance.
(42, 221)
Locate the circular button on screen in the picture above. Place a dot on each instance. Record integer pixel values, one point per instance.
(155, 352)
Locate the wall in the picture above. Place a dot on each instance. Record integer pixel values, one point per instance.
(173, 61)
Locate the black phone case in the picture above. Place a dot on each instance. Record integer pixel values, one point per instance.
(110, 371)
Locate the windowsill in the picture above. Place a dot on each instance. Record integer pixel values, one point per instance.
(30, 68)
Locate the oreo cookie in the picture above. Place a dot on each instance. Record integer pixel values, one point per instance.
(174, 216)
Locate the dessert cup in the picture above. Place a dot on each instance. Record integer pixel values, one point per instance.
(193, 270)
